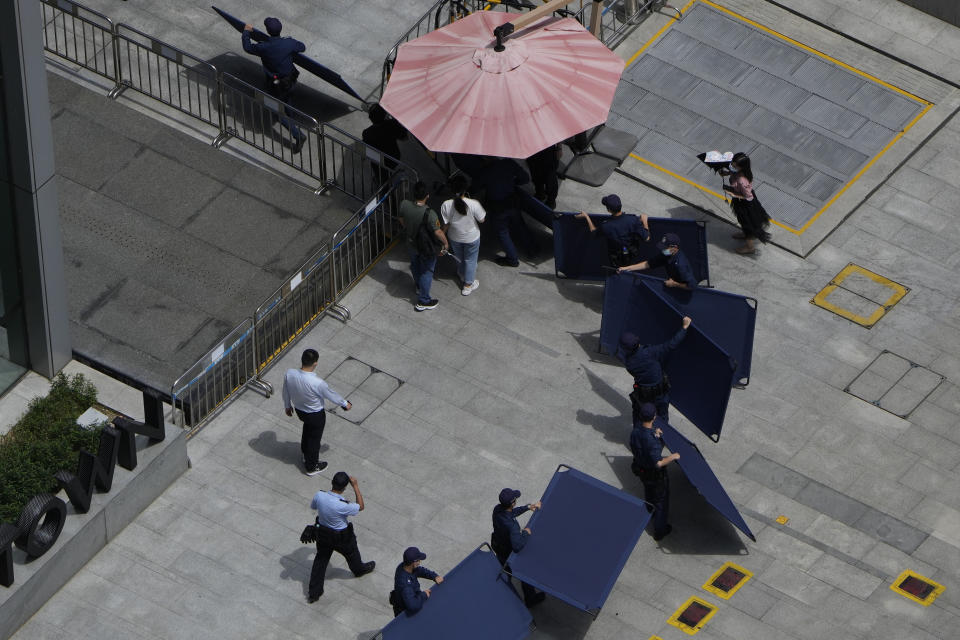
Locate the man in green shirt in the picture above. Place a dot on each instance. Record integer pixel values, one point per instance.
(412, 215)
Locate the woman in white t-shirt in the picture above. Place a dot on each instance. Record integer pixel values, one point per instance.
(461, 222)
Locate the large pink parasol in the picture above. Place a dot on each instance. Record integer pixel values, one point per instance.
(455, 93)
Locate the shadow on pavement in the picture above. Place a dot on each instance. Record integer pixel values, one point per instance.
(266, 444)
(614, 428)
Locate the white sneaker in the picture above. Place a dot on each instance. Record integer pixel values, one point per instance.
(468, 290)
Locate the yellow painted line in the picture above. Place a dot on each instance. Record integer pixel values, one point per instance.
(908, 575)
(815, 52)
(833, 199)
(899, 291)
(675, 621)
(658, 34)
(718, 591)
(677, 176)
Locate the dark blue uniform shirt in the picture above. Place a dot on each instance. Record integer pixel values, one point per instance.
(407, 586)
(645, 364)
(678, 267)
(620, 231)
(275, 52)
(507, 533)
(647, 448)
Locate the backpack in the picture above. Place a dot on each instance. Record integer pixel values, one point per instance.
(426, 240)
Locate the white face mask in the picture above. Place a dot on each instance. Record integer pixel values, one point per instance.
(666, 252)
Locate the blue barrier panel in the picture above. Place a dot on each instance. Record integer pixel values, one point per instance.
(578, 508)
(581, 255)
(535, 208)
(701, 476)
(475, 602)
(307, 64)
(701, 372)
(729, 319)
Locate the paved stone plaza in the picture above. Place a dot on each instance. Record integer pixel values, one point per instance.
(500, 387)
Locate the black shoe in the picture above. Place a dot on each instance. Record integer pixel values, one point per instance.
(298, 144)
(663, 535)
(312, 599)
(367, 568)
(503, 261)
(551, 203)
(535, 599)
(317, 469)
(424, 306)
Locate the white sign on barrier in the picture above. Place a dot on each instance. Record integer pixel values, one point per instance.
(370, 206)
(296, 280)
(217, 353)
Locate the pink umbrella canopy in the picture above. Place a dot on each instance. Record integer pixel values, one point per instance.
(456, 94)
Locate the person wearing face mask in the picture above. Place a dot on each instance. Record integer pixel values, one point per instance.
(645, 363)
(679, 271)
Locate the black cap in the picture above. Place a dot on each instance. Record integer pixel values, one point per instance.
(507, 496)
(647, 411)
(412, 554)
(629, 341)
(612, 202)
(273, 25)
(668, 240)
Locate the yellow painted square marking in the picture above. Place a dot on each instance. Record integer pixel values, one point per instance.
(782, 519)
(917, 587)
(897, 292)
(925, 104)
(692, 615)
(727, 580)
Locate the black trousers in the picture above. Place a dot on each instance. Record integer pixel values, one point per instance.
(502, 555)
(313, 424)
(329, 540)
(656, 491)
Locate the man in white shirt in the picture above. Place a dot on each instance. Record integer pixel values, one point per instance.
(305, 391)
(335, 533)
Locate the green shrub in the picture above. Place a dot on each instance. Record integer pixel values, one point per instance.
(45, 440)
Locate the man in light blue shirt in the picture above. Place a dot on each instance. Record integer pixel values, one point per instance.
(305, 391)
(335, 532)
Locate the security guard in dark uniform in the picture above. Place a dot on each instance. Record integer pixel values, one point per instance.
(649, 464)
(406, 594)
(624, 232)
(508, 537)
(679, 271)
(645, 364)
(276, 54)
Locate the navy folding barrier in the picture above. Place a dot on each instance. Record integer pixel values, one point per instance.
(701, 476)
(729, 319)
(581, 255)
(582, 538)
(475, 602)
(701, 372)
(536, 209)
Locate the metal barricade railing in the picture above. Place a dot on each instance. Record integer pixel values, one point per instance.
(315, 288)
(257, 118)
(167, 74)
(224, 370)
(619, 17)
(360, 242)
(79, 35)
(282, 317)
(355, 168)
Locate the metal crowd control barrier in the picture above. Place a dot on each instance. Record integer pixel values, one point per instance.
(79, 35)
(355, 168)
(257, 118)
(360, 242)
(620, 17)
(282, 317)
(167, 74)
(225, 369)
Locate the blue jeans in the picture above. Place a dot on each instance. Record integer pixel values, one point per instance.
(422, 269)
(467, 253)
